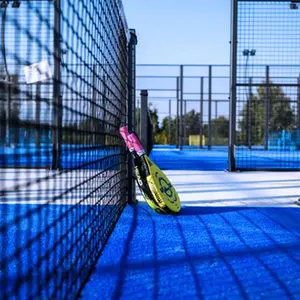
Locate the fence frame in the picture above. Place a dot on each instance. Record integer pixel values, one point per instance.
(234, 84)
(131, 197)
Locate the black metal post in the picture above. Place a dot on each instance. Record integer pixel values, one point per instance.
(201, 111)
(184, 124)
(181, 109)
(298, 115)
(267, 109)
(93, 105)
(131, 197)
(144, 119)
(177, 113)
(8, 111)
(38, 115)
(249, 114)
(57, 97)
(209, 106)
(233, 82)
(169, 125)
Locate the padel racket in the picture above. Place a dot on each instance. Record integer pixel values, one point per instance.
(161, 188)
(139, 173)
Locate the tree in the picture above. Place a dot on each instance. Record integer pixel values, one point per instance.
(281, 115)
(220, 131)
(154, 118)
(192, 123)
(220, 128)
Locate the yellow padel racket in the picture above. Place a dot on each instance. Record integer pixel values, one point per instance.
(141, 180)
(161, 188)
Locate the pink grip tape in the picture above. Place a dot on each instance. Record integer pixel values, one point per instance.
(136, 143)
(124, 133)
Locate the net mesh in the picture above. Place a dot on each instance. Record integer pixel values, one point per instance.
(268, 99)
(63, 93)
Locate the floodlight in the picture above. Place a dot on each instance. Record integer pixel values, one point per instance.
(4, 4)
(16, 4)
(293, 5)
(246, 52)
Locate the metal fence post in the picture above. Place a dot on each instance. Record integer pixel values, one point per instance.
(209, 106)
(177, 112)
(181, 109)
(8, 111)
(267, 109)
(144, 119)
(104, 98)
(233, 82)
(38, 115)
(57, 97)
(93, 105)
(249, 114)
(132, 80)
(298, 103)
(216, 125)
(137, 121)
(184, 123)
(131, 109)
(201, 111)
(298, 115)
(169, 125)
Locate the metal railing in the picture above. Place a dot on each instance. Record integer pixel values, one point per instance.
(193, 100)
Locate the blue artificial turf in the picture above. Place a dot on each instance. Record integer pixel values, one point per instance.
(173, 159)
(72, 156)
(216, 159)
(204, 252)
(165, 156)
(47, 250)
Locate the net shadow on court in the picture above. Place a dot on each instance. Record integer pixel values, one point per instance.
(204, 252)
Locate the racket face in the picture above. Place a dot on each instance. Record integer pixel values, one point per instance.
(152, 204)
(147, 197)
(132, 140)
(162, 189)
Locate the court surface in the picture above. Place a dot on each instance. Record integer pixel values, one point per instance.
(237, 237)
(219, 188)
(194, 159)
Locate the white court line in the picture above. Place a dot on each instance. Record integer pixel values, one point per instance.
(29, 186)
(217, 188)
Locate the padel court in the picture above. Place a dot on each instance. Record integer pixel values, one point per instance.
(73, 223)
(237, 237)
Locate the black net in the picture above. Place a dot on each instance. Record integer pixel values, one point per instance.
(204, 96)
(150, 135)
(63, 93)
(268, 98)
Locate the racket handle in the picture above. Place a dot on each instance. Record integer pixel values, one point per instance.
(124, 133)
(134, 140)
(139, 152)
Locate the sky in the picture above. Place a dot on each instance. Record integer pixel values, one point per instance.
(180, 32)
(198, 32)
